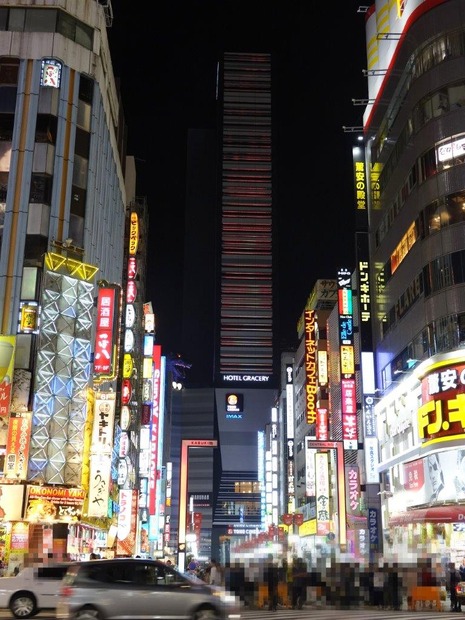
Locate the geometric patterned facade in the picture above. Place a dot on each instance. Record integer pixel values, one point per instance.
(61, 380)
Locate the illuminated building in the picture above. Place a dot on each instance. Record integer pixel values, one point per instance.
(63, 210)
(228, 300)
(414, 175)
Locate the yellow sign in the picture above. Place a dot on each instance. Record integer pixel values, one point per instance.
(133, 234)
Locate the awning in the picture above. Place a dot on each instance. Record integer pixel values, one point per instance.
(436, 514)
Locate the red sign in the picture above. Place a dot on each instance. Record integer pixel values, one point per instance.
(322, 424)
(414, 475)
(154, 430)
(104, 336)
(132, 267)
(126, 391)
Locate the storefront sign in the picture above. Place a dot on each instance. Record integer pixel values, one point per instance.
(45, 503)
(311, 374)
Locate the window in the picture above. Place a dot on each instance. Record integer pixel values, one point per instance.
(3, 188)
(17, 19)
(82, 144)
(3, 18)
(46, 128)
(80, 171)
(41, 189)
(84, 35)
(51, 572)
(84, 112)
(9, 68)
(40, 20)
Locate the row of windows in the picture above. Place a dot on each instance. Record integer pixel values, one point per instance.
(444, 334)
(443, 155)
(241, 509)
(445, 47)
(47, 20)
(441, 213)
(46, 132)
(435, 104)
(446, 270)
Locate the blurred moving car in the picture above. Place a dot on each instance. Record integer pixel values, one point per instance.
(33, 589)
(136, 588)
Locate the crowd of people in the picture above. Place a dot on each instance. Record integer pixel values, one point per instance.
(271, 583)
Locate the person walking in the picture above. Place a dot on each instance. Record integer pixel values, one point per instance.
(272, 579)
(462, 570)
(299, 583)
(453, 579)
(216, 574)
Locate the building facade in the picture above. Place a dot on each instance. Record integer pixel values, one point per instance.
(413, 133)
(66, 239)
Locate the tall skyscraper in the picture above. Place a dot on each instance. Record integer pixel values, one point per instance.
(230, 212)
(246, 261)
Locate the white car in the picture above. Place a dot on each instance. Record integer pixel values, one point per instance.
(31, 590)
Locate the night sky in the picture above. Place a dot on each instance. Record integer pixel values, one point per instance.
(165, 60)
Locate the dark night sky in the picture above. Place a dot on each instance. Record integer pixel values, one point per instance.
(166, 60)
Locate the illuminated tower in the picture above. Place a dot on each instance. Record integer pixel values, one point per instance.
(229, 295)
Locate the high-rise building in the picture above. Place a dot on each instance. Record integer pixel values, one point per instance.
(414, 138)
(230, 296)
(63, 213)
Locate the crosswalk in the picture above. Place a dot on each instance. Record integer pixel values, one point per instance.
(331, 613)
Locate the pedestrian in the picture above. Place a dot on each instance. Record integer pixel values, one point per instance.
(286, 578)
(453, 579)
(462, 570)
(272, 579)
(216, 573)
(299, 583)
(377, 598)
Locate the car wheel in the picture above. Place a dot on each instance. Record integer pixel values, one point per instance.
(206, 613)
(88, 613)
(23, 605)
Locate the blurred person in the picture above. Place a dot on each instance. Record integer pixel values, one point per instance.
(453, 577)
(271, 576)
(462, 570)
(286, 578)
(299, 583)
(216, 573)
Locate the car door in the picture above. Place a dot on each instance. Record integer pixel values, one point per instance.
(163, 592)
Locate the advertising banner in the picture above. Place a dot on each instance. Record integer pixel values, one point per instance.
(46, 503)
(17, 446)
(127, 518)
(7, 350)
